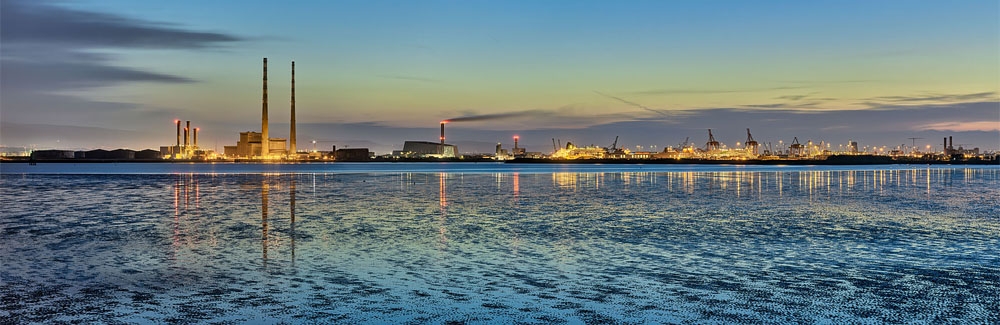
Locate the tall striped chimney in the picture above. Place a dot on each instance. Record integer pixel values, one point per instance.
(265, 140)
(291, 131)
(194, 138)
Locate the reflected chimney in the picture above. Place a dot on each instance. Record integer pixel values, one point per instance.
(263, 220)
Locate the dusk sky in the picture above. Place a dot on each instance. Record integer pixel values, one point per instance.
(115, 74)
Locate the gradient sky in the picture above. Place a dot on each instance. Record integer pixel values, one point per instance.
(112, 74)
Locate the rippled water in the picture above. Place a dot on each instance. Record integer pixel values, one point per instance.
(486, 245)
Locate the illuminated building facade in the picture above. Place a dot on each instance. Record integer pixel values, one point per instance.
(430, 149)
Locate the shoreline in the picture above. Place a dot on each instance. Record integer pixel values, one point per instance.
(833, 160)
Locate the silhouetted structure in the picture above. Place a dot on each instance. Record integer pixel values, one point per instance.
(353, 154)
(711, 144)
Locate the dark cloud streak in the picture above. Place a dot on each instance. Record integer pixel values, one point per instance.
(48, 49)
(990, 95)
(499, 116)
(36, 22)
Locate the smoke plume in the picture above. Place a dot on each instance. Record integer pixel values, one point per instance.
(498, 116)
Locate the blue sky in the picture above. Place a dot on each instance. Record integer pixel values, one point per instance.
(588, 70)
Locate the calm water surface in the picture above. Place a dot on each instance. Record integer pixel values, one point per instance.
(487, 243)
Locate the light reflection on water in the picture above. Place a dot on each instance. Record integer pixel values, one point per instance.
(896, 245)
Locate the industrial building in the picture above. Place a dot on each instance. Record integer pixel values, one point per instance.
(418, 149)
(353, 154)
(182, 150)
(426, 149)
(249, 145)
(98, 154)
(960, 152)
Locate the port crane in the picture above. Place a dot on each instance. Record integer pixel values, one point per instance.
(796, 148)
(711, 144)
(684, 144)
(913, 143)
(751, 144)
(614, 148)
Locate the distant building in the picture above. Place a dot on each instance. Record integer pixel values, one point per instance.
(249, 144)
(430, 149)
(14, 152)
(99, 154)
(148, 154)
(353, 154)
(117, 154)
(276, 146)
(229, 151)
(52, 154)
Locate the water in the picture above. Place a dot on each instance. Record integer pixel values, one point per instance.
(487, 243)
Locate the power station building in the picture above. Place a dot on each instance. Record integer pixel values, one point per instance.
(183, 150)
(430, 149)
(249, 145)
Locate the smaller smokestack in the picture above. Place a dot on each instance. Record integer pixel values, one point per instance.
(515, 143)
(442, 131)
(194, 140)
(945, 145)
(951, 143)
(187, 134)
(178, 132)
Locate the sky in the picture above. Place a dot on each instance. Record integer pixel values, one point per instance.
(116, 74)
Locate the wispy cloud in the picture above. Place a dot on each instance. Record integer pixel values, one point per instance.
(989, 95)
(796, 97)
(788, 105)
(711, 91)
(826, 82)
(961, 126)
(410, 78)
(660, 112)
